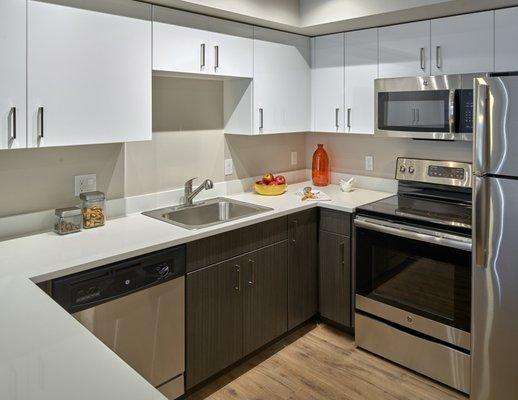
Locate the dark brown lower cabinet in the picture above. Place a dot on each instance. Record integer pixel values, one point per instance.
(335, 297)
(265, 300)
(214, 320)
(233, 308)
(302, 266)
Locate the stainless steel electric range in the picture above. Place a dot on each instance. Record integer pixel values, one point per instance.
(412, 257)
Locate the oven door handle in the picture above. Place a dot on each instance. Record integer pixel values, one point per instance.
(415, 233)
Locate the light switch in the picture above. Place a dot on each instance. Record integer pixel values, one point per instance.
(294, 158)
(85, 183)
(369, 163)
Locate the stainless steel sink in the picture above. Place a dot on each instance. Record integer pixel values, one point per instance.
(206, 213)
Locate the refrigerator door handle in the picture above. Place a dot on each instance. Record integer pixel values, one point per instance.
(481, 147)
(481, 221)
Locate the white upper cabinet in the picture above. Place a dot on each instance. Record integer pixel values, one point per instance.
(281, 82)
(195, 44)
(327, 83)
(89, 72)
(404, 50)
(506, 39)
(12, 73)
(361, 69)
(463, 44)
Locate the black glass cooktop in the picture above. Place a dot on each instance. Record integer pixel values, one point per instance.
(430, 211)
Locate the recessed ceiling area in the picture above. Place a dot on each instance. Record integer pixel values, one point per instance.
(318, 17)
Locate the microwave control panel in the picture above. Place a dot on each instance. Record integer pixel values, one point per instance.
(465, 110)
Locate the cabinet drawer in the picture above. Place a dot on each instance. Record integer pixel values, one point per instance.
(333, 221)
(226, 245)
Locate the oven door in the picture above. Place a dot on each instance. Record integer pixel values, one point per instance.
(414, 277)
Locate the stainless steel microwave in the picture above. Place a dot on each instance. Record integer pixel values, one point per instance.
(426, 107)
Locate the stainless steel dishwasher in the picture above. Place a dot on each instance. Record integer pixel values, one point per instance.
(136, 308)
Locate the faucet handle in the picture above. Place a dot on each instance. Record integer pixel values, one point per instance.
(191, 180)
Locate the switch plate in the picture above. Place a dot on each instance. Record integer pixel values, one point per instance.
(294, 156)
(369, 163)
(229, 167)
(85, 183)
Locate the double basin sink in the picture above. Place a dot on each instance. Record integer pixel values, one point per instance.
(206, 213)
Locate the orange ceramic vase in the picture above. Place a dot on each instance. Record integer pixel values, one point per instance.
(320, 167)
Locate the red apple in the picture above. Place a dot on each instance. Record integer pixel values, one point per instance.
(268, 177)
(273, 183)
(260, 183)
(280, 180)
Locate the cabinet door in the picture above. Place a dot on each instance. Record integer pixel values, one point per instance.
(214, 320)
(302, 267)
(463, 44)
(506, 45)
(12, 74)
(335, 277)
(361, 69)
(180, 41)
(404, 50)
(231, 49)
(265, 302)
(89, 73)
(281, 82)
(327, 83)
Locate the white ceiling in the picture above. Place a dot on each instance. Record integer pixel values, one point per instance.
(317, 17)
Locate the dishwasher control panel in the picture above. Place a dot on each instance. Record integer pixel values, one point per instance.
(87, 289)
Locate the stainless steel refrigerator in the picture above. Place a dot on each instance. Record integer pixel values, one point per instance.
(494, 336)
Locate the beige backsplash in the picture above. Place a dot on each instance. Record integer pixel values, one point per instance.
(347, 152)
(188, 141)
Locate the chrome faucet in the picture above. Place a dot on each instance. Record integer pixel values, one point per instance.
(190, 194)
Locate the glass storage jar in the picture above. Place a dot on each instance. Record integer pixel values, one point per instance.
(67, 220)
(94, 204)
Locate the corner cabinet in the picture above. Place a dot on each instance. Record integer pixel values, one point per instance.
(404, 50)
(89, 72)
(196, 44)
(12, 74)
(277, 100)
(327, 83)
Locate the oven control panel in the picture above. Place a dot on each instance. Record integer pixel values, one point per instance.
(451, 173)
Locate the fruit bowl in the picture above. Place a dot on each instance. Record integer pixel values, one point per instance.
(270, 190)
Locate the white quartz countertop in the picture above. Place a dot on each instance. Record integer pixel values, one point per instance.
(44, 352)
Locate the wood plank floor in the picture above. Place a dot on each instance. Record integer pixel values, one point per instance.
(320, 362)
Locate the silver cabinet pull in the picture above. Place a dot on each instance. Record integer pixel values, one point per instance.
(349, 118)
(40, 122)
(422, 58)
(252, 271)
(337, 112)
(294, 231)
(237, 286)
(438, 60)
(12, 123)
(216, 57)
(202, 55)
(261, 118)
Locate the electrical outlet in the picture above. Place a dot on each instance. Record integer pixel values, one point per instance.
(294, 156)
(229, 167)
(369, 163)
(85, 183)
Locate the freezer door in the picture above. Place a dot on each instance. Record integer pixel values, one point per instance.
(494, 331)
(496, 126)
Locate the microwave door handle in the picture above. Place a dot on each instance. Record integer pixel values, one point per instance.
(414, 233)
(413, 116)
(417, 116)
(451, 111)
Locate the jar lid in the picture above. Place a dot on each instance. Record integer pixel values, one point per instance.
(68, 211)
(92, 196)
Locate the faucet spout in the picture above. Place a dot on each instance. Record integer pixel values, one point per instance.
(190, 194)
